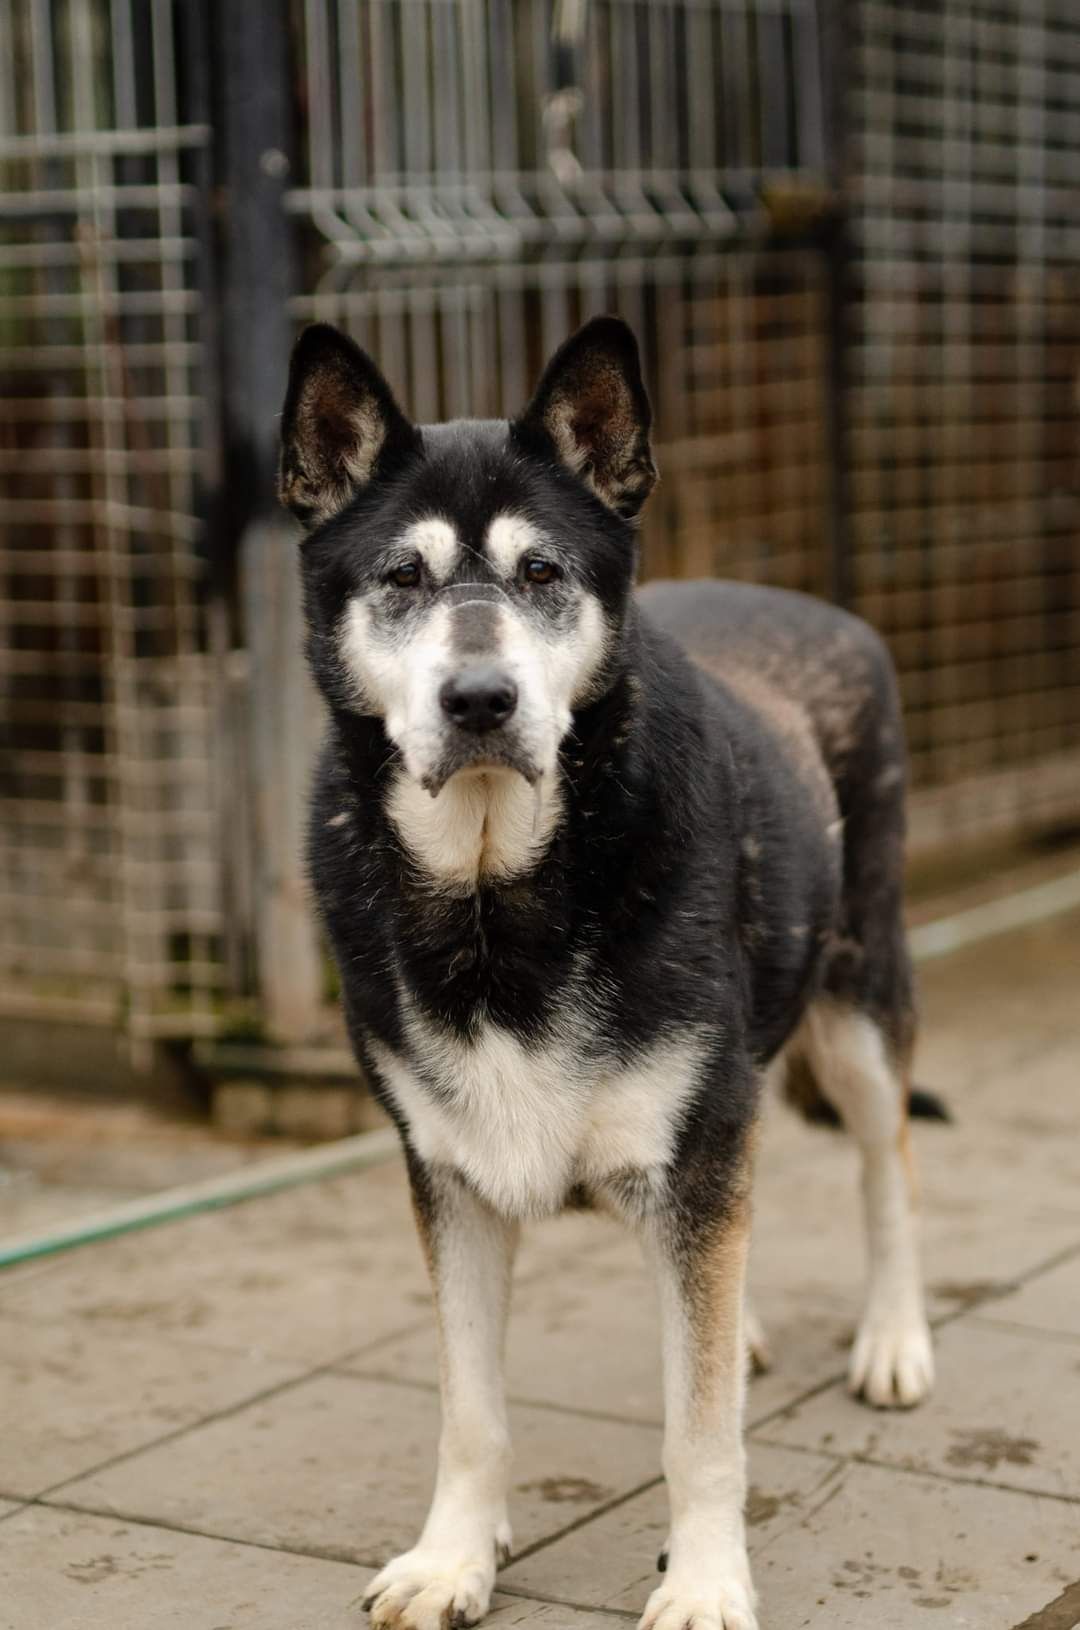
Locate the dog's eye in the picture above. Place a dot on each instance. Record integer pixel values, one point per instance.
(406, 576)
(541, 571)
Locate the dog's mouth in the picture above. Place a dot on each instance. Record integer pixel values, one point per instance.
(485, 756)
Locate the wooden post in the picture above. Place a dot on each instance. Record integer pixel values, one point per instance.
(283, 722)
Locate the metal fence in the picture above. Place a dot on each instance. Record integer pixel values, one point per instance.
(965, 516)
(478, 178)
(842, 228)
(112, 906)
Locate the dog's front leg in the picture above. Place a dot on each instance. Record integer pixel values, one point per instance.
(447, 1578)
(702, 1269)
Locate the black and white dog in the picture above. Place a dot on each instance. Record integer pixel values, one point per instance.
(592, 863)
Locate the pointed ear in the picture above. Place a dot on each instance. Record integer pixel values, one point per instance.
(340, 427)
(592, 407)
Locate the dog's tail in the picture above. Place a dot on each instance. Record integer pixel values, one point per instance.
(800, 1088)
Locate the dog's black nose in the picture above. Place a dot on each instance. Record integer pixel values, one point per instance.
(480, 698)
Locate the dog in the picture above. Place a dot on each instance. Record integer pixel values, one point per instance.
(593, 864)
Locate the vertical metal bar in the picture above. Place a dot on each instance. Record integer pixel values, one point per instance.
(123, 64)
(352, 142)
(41, 46)
(837, 21)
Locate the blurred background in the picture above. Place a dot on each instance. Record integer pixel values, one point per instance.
(847, 234)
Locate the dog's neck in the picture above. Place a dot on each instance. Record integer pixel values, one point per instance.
(484, 826)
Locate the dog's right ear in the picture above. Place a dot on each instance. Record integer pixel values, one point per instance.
(341, 428)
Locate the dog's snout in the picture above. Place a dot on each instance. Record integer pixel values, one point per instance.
(479, 698)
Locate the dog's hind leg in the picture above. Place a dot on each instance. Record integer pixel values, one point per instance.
(448, 1576)
(701, 1270)
(892, 1360)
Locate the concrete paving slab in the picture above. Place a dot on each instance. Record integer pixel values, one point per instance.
(73, 1398)
(988, 1008)
(510, 1610)
(308, 1275)
(63, 1570)
(1006, 1410)
(344, 1467)
(305, 1275)
(994, 1206)
(899, 1552)
(840, 1545)
(1050, 1302)
(611, 1562)
(588, 1338)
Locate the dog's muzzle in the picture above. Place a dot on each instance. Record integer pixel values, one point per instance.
(478, 704)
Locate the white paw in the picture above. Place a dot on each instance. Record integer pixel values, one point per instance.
(892, 1361)
(428, 1589)
(729, 1606)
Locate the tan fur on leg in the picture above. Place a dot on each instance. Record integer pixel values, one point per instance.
(702, 1287)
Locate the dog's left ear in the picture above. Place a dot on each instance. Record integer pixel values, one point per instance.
(592, 407)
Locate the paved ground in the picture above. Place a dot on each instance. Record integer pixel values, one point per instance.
(229, 1422)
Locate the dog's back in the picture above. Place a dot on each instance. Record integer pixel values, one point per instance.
(822, 681)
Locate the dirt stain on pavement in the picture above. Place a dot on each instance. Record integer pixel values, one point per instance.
(762, 1507)
(969, 1292)
(560, 1489)
(990, 1448)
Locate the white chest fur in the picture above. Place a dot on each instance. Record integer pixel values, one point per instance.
(524, 1125)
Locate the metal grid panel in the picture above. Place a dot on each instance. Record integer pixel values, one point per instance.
(966, 150)
(108, 869)
(479, 176)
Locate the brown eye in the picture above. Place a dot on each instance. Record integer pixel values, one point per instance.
(540, 571)
(406, 576)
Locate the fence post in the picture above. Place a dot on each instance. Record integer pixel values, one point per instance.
(837, 19)
(282, 723)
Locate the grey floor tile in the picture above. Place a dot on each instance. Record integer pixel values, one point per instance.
(74, 1397)
(583, 1338)
(343, 1467)
(611, 1562)
(305, 1275)
(894, 1552)
(519, 1611)
(1006, 1410)
(62, 1570)
(807, 1226)
(1050, 1301)
(588, 1338)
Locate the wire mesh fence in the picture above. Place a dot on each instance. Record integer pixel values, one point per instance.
(870, 391)
(111, 907)
(963, 410)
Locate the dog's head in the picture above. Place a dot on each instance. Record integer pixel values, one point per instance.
(467, 583)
